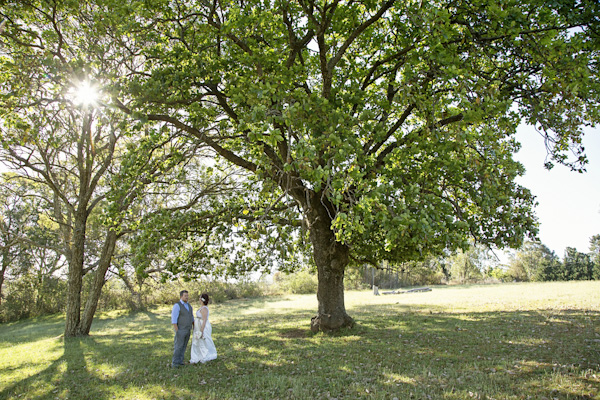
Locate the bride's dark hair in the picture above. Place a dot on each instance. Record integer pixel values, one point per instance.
(204, 298)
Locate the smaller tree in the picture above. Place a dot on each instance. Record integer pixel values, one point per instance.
(467, 265)
(530, 262)
(56, 131)
(18, 216)
(30, 256)
(577, 266)
(554, 271)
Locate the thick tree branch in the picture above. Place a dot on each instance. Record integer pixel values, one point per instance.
(393, 146)
(227, 154)
(356, 33)
(390, 132)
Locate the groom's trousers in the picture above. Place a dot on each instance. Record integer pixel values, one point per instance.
(182, 336)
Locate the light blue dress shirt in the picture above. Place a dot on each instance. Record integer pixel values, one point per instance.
(175, 311)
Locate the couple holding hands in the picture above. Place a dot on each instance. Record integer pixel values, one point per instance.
(185, 325)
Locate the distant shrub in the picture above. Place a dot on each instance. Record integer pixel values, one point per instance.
(219, 291)
(115, 296)
(354, 279)
(500, 274)
(31, 296)
(300, 282)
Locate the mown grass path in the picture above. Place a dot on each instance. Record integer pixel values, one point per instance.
(511, 341)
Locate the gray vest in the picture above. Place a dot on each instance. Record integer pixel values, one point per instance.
(185, 318)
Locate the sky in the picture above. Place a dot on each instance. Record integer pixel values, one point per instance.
(568, 202)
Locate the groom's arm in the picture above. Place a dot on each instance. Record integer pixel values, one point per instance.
(174, 316)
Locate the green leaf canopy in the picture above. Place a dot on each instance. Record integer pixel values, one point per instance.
(400, 116)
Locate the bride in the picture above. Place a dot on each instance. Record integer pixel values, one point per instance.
(203, 347)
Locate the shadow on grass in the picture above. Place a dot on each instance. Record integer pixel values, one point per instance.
(88, 365)
(394, 351)
(66, 377)
(431, 354)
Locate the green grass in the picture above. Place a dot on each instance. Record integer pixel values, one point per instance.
(512, 341)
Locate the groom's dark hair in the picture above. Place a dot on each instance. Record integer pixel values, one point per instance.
(182, 292)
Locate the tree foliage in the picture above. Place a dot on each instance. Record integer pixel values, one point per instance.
(577, 265)
(18, 222)
(532, 262)
(468, 265)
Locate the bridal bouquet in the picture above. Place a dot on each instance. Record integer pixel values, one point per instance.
(198, 335)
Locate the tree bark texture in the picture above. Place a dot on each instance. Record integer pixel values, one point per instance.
(1, 284)
(331, 258)
(75, 284)
(99, 279)
(5, 264)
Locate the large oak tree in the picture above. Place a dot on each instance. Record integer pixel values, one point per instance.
(387, 126)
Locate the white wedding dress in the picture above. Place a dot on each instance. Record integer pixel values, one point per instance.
(203, 348)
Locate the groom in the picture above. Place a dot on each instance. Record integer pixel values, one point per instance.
(182, 318)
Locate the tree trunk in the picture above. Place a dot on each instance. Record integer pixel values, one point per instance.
(96, 289)
(331, 258)
(39, 301)
(75, 281)
(5, 263)
(1, 284)
(73, 298)
(136, 295)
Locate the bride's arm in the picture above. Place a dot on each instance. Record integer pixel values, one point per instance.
(204, 312)
(197, 321)
(196, 328)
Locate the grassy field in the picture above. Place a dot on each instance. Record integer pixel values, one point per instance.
(511, 341)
